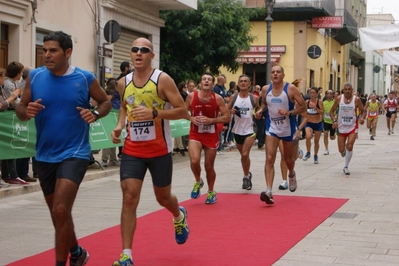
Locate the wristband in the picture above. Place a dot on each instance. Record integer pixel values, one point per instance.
(96, 114)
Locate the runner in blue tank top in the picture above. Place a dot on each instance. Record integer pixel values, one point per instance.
(279, 98)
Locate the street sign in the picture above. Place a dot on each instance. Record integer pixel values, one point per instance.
(112, 31)
(106, 52)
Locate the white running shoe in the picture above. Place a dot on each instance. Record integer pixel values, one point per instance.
(3, 184)
(300, 153)
(326, 152)
(283, 185)
(346, 171)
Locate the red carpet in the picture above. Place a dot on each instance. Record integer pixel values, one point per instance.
(238, 230)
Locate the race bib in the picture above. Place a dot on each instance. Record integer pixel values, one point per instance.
(347, 120)
(245, 113)
(206, 128)
(327, 115)
(142, 131)
(279, 122)
(373, 114)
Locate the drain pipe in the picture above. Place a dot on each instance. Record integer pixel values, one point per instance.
(98, 38)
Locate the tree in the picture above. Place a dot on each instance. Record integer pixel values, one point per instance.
(196, 41)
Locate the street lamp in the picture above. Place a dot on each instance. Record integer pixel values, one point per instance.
(269, 9)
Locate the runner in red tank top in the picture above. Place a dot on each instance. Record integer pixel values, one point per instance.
(205, 107)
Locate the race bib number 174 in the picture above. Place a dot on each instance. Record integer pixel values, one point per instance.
(142, 131)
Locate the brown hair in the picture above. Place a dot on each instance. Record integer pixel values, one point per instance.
(297, 82)
(14, 68)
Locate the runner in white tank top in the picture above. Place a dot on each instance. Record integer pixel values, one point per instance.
(346, 122)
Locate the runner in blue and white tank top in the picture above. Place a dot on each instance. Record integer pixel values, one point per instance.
(278, 125)
(279, 98)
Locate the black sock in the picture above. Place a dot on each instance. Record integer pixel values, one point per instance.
(75, 250)
(60, 263)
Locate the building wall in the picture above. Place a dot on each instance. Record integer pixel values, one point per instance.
(297, 36)
(84, 21)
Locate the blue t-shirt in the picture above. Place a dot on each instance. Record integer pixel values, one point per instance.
(61, 132)
(221, 90)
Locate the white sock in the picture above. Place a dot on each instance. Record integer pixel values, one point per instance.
(348, 157)
(128, 252)
(176, 219)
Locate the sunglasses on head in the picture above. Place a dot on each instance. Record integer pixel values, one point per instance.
(142, 49)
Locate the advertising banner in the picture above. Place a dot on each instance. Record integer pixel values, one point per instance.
(17, 138)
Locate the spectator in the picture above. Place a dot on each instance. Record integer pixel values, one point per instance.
(11, 94)
(256, 91)
(178, 141)
(113, 95)
(228, 134)
(22, 164)
(191, 86)
(13, 75)
(126, 68)
(5, 102)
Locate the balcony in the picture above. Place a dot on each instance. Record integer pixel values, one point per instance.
(173, 4)
(297, 10)
(348, 33)
(151, 4)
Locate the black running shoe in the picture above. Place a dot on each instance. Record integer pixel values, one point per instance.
(267, 197)
(79, 260)
(247, 183)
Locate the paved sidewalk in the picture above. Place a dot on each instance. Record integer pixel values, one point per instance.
(364, 231)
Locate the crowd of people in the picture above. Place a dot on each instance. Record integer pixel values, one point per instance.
(147, 99)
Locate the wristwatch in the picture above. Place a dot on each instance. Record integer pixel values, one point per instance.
(96, 113)
(154, 113)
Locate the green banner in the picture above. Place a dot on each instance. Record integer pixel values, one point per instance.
(17, 138)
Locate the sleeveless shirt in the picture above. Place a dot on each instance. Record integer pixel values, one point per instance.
(372, 109)
(149, 138)
(282, 126)
(347, 115)
(243, 124)
(209, 109)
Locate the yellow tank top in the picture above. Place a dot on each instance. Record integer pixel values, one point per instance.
(372, 109)
(149, 138)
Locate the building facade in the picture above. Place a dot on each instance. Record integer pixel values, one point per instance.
(380, 78)
(322, 54)
(25, 22)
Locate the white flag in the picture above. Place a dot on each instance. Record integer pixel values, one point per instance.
(379, 37)
(390, 58)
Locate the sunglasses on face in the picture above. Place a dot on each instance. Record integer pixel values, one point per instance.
(142, 49)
